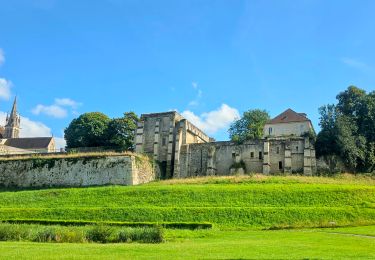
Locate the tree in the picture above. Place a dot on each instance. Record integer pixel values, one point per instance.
(348, 128)
(249, 126)
(326, 140)
(88, 130)
(121, 131)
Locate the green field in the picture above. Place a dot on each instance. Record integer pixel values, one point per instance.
(244, 210)
(225, 202)
(280, 244)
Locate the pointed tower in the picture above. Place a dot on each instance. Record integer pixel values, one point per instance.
(12, 126)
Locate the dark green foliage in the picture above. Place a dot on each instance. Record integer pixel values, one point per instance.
(99, 234)
(97, 130)
(145, 235)
(121, 131)
(88, 130)
(347, 130)
(249, 126)
(172, 225)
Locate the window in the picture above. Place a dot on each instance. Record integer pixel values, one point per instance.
(233, 155)
(252, 155)
(164, 141)
(277, 150)
(270, 131)
(280, 165)
(297, 148)
(260, 155)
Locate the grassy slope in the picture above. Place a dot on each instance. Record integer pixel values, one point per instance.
(296, 244)
(258, 202)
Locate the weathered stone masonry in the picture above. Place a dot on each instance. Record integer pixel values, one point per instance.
(76, 172)
(182, 150)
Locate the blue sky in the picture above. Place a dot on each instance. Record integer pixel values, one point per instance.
(210, 60)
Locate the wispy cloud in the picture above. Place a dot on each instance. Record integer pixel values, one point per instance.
(213, 121)
(198, 97)
(5, 86)
(2, 57)
(53, 111)
(58, 109)
(67, 102)
(356, 64)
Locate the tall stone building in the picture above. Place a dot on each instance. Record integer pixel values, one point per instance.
(162, 135)
(11, 143)
(182, 150)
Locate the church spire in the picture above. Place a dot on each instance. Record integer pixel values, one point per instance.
(12, 126)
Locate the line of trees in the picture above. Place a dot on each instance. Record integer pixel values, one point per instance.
(347, 130)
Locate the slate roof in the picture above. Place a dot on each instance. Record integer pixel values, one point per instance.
(29, 143)
(289, 116)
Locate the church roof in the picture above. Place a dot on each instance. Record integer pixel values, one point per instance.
(29, 143)
(289, 116)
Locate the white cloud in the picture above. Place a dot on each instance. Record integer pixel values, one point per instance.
(67, 102)
(2, 57)
(53, 110)
(195, 85)
(5, 86)
(57, 109)
(356, 64)
(29, 128)
(213, 121)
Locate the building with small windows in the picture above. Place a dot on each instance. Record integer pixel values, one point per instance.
(182, 150)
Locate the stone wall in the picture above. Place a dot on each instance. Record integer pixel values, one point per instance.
(76, 172)
(268, 156)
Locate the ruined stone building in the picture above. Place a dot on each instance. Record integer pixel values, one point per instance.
(11, 143)
(182, 150)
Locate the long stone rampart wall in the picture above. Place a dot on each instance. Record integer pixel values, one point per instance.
(76, 172)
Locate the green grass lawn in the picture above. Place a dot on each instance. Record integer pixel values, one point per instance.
(241, 209)
(214, 244)
(258, 201)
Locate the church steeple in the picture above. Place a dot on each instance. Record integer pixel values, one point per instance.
(12, 127)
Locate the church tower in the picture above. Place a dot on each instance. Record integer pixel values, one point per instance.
(12, 127)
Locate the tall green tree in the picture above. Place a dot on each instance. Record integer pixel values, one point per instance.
(348, 129)
(88, 130)
(121, 131)
(249, 126)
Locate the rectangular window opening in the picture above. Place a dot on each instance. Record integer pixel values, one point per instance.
(277, 150)
(164, 141)
(280, 165)
(252, 154)
(260, 155)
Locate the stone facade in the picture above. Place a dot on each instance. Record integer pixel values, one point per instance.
(161, 135)
(182, 150)
(75, 172)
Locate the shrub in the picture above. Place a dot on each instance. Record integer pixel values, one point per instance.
(144, 235)
(9, 232)
(46, 234)
(99, 233)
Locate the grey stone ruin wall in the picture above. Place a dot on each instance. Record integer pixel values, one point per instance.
(76, 172)
(268, 156)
